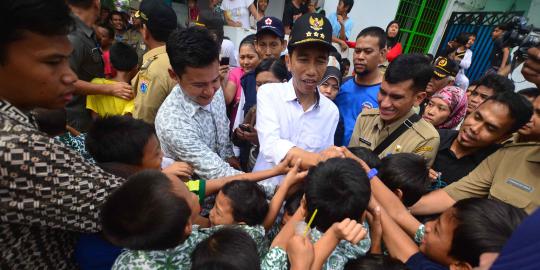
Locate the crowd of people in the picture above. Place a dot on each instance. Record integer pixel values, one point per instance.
(129, 141)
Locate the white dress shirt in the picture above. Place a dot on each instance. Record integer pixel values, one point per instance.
(283, 124)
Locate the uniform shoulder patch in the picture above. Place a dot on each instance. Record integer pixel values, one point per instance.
(423, 149)
(370, 112)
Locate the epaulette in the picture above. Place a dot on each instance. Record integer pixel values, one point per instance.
(149, 61)
(370, 112)
(521, 144)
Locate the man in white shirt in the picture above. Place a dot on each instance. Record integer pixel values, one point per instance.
(192, 124)
(293, 118)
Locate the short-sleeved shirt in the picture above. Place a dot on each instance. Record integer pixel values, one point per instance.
(419, 261)
(336, 26)
(238, 10)
(152, 84)
(290, 11)
(87, 62)
(275, 259)
(351, 100)
(108, 105)
(421, 138)
(509, 175)
(452, 168)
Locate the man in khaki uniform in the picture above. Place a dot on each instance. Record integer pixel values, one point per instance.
(510, 175)
(402, 88)
(153, 83)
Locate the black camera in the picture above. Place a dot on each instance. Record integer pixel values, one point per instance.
(520, 34)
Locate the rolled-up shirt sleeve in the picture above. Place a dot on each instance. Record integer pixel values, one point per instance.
(272, 147)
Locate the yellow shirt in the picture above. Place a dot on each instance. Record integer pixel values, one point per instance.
(108, 105)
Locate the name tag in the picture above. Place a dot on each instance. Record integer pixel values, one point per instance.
(365, 141)
(517, 184)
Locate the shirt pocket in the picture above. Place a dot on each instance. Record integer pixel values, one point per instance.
(312, 143)
(508, 191)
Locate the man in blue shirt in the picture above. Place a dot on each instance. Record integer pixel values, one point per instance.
(360, 93)
(342, 25)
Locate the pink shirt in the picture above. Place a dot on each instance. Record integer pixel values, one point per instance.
(234, 76)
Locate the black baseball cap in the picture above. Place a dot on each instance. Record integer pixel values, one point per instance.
(311, 28)
(157, 15)
(445, 67)
(271, 24)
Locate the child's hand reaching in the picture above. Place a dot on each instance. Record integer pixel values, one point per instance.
(301, 253)
(179, 169)
(349, 230)
(349, 154)
(375, 229)
(284, 166)
(295, 176)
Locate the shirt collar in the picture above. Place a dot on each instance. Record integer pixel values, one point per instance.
(13, 112)
(290, 95)
(191, 107)
(380, 124)
(535, 155)
(154, 52)
(89, 32)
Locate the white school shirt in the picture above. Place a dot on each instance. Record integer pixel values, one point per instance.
(461, 79)
(282, 124)
(239, 10)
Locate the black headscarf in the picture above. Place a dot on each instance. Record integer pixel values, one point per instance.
(391, 42)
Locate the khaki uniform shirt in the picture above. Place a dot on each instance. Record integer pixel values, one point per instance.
(134, 38)
(369, 131)
(153, 84)
(509, 175)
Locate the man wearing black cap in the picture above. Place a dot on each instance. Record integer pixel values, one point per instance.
(293, 118)
(269, 43)
(86, 60)
(153, 83)
(444, 74)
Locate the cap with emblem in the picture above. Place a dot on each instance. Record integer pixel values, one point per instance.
(157, 15)
(311, 28)
(445, 67)
(272, 25)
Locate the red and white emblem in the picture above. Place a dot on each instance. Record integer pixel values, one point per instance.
(268, 21)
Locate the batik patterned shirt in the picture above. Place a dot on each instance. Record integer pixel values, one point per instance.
(195, 134)
(48, 193)
(179, 257)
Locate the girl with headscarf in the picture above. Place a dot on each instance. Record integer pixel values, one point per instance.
(446, 108)
(392, 42)
(331, 82)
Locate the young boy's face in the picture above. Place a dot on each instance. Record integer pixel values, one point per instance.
(497, 33)
(438, 237)
(103, 37)
(152, 154)
(180, 189)
(222, 213)
(269, 46)
(308, 64)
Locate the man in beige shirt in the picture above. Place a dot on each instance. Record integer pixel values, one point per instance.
(153, 83)
(403, 87)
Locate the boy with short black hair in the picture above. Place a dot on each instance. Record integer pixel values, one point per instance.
(337, 189)
(124, 60)
(407, 175)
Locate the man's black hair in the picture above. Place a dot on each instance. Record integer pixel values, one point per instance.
(365, 154)
(43, 17)
(374, 31)
(123, 57)
(145, 213)
(248, 201)
(213, 24)
(503, 27)
(293, 202)
(375, 262)
(408, 172)
(339, 189)
(463, 38)
(228, 248)
(84, 4)
(191, 47)
(497, 83)
(483, 225)
(109, 28)
(349, 4)
(520, 108)
(531, 92)
(415, 67)
(275, 66)
(118, 139)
